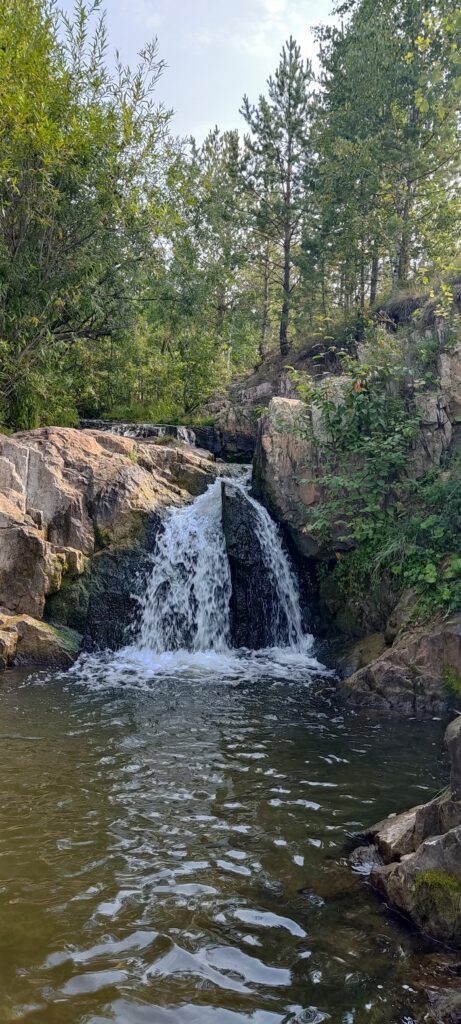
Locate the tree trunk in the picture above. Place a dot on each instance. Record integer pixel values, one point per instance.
(265, 319)
(324, 292)
(403, 256)
(374, 280)
(284, 343)
(362, 280)
(220, 313)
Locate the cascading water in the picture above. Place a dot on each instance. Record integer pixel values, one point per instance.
(187, 600)
(184, 626)
(286, 620)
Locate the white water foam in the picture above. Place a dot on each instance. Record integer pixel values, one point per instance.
(187, 600)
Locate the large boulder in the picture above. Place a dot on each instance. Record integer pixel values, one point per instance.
(69, 496)
(285, 474)
(426, 885)
(413, 676)
(253, 604)
(26, 641)
(421, 851)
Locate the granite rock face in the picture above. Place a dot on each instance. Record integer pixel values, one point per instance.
(69, 497)
(409, 677)
(284, 474)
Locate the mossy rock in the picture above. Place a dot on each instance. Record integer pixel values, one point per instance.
(452, 683)
(438, 902)
(102, 603)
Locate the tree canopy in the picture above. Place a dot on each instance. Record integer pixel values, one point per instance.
(140, 272)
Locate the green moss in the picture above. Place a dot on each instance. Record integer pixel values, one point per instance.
(452, 681)
(164, 439)
(69, 639)
(439, 894)
(102, 537)
(133, 457)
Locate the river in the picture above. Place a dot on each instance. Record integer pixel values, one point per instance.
(175, 829)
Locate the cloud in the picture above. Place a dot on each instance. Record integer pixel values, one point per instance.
(205, 38)
(271, 22)
(273, 7)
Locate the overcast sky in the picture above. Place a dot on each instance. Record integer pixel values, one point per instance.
(216, 50)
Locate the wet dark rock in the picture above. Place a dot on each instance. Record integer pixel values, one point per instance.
(252, 606)
(232, 438)
(357, 654)
(453, 741)
(231, 445)
(364, 858)
(102, 604)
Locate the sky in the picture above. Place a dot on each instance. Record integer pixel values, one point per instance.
(216, 50)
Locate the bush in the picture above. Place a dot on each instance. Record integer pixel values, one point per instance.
(405, 531)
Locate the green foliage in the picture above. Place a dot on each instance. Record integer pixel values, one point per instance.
(452, 682)
(404, 528)
(102, 538)
(139, 273)
(279, 158)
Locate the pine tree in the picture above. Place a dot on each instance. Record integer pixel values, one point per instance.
(280, 154)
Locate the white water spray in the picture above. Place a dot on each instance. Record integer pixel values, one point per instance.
(187, 601)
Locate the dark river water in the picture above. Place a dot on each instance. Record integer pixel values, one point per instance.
(177, 853)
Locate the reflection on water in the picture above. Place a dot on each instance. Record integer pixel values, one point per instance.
(177, 854)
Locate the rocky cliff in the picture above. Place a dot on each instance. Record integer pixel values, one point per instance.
(78, 513)
(416, 654)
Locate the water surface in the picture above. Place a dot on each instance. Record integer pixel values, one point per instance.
(173, 850)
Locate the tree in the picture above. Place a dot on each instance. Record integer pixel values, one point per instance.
(388, 144)
(78, 193)
(276, 173)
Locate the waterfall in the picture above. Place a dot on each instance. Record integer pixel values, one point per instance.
(186, 606)
(187, 599)
(286, 624)
(141, 431)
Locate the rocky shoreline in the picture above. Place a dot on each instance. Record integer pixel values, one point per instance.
(79, 512)
(413, 860)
